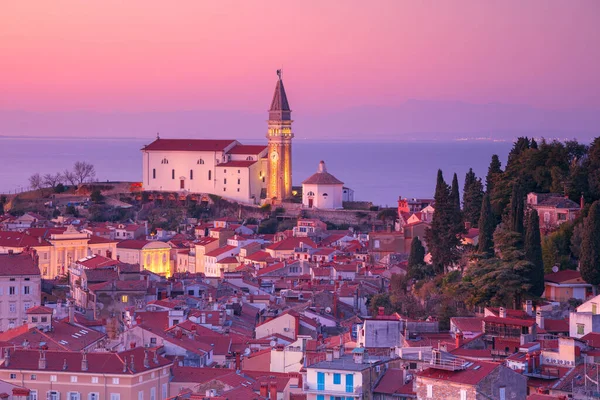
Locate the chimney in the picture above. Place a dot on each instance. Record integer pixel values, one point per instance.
(155, 357)
(392, 352)
(358, 356)
(502, 313)
(146, 359)
(131, 364)
(529, 307)
(336, 352)
(84, 362)
(42, 360)
(65, 366)
(539, 319)
(459, 339)
(6, 357)
(71, 313)
(238, 361)
(273, 390)
(329, 355)
(527, 362)
(264, 389)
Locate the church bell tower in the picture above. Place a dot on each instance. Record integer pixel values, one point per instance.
(279, 134)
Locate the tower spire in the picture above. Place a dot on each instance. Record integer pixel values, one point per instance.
(280, 108)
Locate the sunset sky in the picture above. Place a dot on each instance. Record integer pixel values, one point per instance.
(149, 56)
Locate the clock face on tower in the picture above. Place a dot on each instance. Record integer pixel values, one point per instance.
(274, 156)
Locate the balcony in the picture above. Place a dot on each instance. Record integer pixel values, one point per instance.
(357, 392)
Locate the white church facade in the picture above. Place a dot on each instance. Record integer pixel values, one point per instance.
(243, 173)
(323, 190)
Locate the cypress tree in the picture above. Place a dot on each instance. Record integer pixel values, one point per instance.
(487, 224)
(533, 254)
(493, 170)
(517, 205)
(472, 198)
(455, 201)
(441, 236)
(590, 246)
(416, 259)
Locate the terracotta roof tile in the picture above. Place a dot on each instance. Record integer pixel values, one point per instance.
(188, 145)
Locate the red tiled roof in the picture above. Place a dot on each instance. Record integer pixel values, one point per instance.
(468, 324)
(18, 264)
(100, 362)
(563, 276)
(228, 260)
(123, 286)
(392, 383)
(219, 251)
(197, 375)
(470, 376)
(248, 149)
(291, 243)
(188, 145)
(39, 310)
(236, 164)
(132, 244)
(510, 321)
(20, 240)
(592, 338)
(97, 261)
(95, 239)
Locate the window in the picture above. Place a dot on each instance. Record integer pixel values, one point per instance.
(337, 379)
(26, 290)
(172, 174)
(152, 393)
(33, 377)
(463, 394)
(594, 308)
(115, 381)
(224, 171)
(209, 175)
(546, 217)
(238, 189)
(239, 181)
(53, 395)
(562, 217)
(580, 329)
(320, 397)
(26, 306)
(12, 308)
(502, 393)
(429, 391)
(73, 379)
(320, 381)
(33, 395)
(73, 395)
(94, 396)
(153, 340)
(238, 171)
(376, 244)
(44, 319)
(94, 379)
(13, 376)
(224, 189)
(141, 379)
(115, 396)
(164, 391)
(200, 161)
(325, 195)
(12, 290)
(141, 395)
(191, 174)
(224, 181)
(153, 173)
(52, 378)
(349, 383)
(124, 298)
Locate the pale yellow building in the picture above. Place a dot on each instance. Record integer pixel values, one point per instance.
(154, 256)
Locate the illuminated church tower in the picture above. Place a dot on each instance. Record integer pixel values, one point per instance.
(280, 145)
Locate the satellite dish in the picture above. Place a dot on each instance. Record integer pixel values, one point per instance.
(273, 343)
(328, 310)
(555, 268)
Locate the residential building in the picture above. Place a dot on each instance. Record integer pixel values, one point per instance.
(54, 375)
(553, 209)
(20, 288)
(565, 285)
(585, 319)
(153, 256)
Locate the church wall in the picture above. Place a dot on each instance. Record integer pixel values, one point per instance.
(333, 200)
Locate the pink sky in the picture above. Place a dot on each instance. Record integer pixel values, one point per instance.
(146, 55)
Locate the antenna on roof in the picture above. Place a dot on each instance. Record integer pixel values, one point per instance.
(157, 135)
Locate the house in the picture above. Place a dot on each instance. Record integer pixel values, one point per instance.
(322, 190)
(381, 331)
(153, 256)
(309, 228)
(565, 285)
(353, 376)
(461, 379)
(285, 248)
(286, 324)
(129, 231)
(585, 319)
(202, 247)
(553, 209)
(133, 374)
(20, 288)
(396, 384)
(385, 243)
(221, 260)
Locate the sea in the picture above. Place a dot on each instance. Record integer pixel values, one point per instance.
(378, 172)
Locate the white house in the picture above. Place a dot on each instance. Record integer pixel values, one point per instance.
(322, 190)
(585, 318)
(222, 167)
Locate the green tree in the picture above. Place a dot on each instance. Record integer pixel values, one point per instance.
(96, 196)
(380, 300)
(441, 236)
(533, 253)
(517, 205)
(556, 248)
(416, 260)
(494, 172)
(455, 201)
(472, 198)
(590, 246)
(487, 225)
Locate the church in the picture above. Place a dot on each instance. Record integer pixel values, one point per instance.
(247, 174)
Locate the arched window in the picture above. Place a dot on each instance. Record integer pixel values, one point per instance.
(325, 195)
(172, 174)
(310, 193)
(191, 174)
